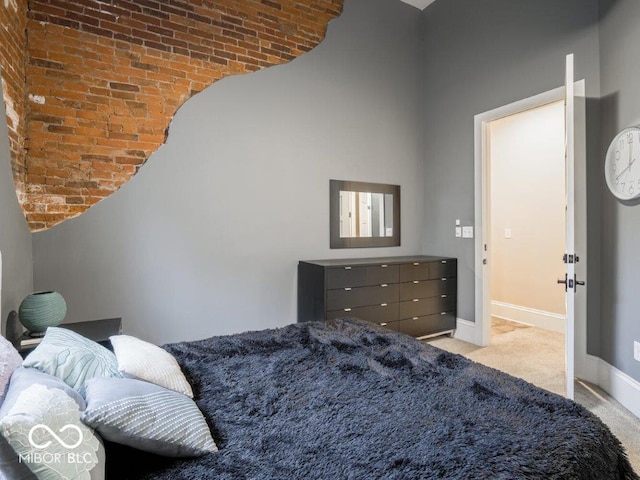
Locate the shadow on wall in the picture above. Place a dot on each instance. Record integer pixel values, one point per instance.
(594, 225)
(609, 106)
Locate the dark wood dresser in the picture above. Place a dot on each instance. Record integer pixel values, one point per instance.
(415, 295)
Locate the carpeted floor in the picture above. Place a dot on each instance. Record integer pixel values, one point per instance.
(537, 356)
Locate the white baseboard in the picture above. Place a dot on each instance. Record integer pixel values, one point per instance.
(587, 368)
(465, 331)
(529, 316)
(618, 384)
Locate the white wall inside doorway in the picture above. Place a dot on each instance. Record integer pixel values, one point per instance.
(527, 203)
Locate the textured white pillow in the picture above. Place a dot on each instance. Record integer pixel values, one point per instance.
(43, 427)
(149, 362)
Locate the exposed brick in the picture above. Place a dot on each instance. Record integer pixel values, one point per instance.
(111, 74)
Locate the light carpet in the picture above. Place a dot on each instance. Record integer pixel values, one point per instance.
(537, 356)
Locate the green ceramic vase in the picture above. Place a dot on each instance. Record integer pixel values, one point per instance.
(41, 310)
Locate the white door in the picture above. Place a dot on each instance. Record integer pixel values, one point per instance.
(574, 280)
(365, 214)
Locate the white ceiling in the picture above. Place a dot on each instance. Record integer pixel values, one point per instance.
(421, 4)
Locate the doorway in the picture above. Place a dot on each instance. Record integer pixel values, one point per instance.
(573, 94)
(527, 239)
(527, 216)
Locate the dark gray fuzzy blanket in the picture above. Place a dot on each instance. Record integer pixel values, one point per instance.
(348, 400)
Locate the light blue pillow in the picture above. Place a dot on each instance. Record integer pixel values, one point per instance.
(43, 427)
(72, 358)
(148, 417)
(22, 379)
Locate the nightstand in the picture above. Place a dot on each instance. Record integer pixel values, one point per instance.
(96, 330)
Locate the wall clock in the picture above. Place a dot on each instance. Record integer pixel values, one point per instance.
(621, 168)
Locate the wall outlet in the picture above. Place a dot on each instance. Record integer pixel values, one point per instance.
(636, 351)
(467, 232)
(458, 232)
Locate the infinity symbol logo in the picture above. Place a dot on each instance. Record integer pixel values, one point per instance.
(52, 433)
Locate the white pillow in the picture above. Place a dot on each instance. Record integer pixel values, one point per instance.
(149, 362)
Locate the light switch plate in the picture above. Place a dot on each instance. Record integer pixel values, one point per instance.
(636, 351)
(458, 232)
(467, 232)
(457, 222)
(507, 233)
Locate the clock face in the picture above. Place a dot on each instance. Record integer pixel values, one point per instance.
(621, 168)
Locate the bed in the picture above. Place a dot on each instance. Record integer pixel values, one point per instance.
(349, 400)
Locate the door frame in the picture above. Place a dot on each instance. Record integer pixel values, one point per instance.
(482, 193)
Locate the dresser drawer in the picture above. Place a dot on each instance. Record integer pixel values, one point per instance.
(362, 296)
(390, 325)
(341, 277)
(374, 313)
(427, 306)
(427, 325)
(427, 288)
(443, 268)
(414, 271)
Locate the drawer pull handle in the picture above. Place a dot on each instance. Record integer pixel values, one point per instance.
(384, 285)
(416, 299)
(416, 281)
(443, 313)
(443, 261)
(443, 279)
(415, 318)
(416, 264)
(443, 296)
(383, 304)
(348, 289)
(347, 309)
(383, 324)
(347, 268)
(384, 266)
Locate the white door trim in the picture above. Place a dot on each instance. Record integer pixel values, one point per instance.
(481, 154)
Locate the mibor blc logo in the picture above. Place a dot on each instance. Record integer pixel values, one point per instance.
(47, 445)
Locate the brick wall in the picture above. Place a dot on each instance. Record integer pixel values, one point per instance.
(13, 51)
(104, 79)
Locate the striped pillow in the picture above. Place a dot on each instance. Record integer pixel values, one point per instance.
(147, 417)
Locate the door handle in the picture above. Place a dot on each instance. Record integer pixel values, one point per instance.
(563, 281)
(571, 282)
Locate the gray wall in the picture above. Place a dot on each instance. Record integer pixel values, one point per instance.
(620, 71)
(480, 56)
(15, 239)
(205, 239)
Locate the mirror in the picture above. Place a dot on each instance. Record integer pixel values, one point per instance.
(364, 214)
